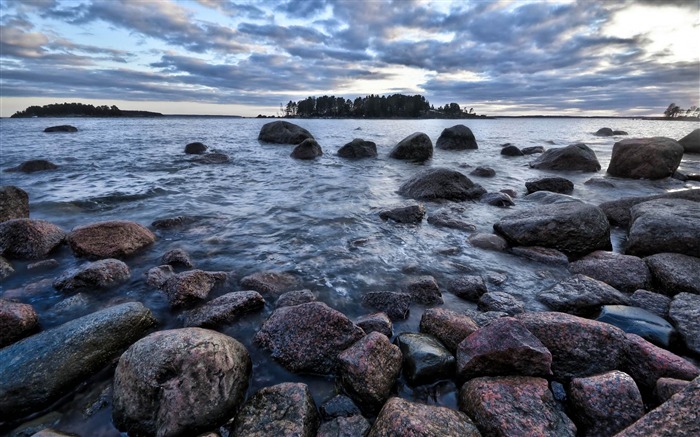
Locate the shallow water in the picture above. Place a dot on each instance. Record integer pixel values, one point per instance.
(266, 211)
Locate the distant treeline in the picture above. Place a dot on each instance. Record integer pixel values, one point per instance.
(79, 110)
(373, 106)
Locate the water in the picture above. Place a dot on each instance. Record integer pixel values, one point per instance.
(266, 211)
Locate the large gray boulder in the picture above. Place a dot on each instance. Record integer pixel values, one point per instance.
(358, 148)
(41, 369)
(14, 203)
(664, 225)
(624, 272)
(618, 211)
(441, 183)
(415, 147)
(578, 157)
(691, 142)
(110, 239)
(102, 274)
(283, 132)
(674, 273)
(458, 137)
(581, 295)
(400, 417)
(645, 158)
(270, 282)
(29, 239)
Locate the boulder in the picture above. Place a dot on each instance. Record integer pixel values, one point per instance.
(274, 283)
(110, 239)
(446, 219)
(338, 406)
(14, 203)
(190, 286)
(376, 322)
(307, 337)
(685, 314)
(295, 297)
(224, 309)
(458, 137)
(394, 304)
(484, 172)
(542, 255)
(691, 142)
(400, 417)
(667, 387)
(488, 241)
(511, 150)
(173, 222)
(358, 148)
(468, 287)
(195, 148)
(212, 158)
(307, 149)
(350, 426)
(574, 157)
(286, 409)
(17, 320)
(177, 258)
(102, 274)
(500, 301)
(415, 147)
(581, 295)
(33, 165)
(653, 302)
(641, 322)
(674, 273)
(497, 199)
(618, 211)
(179, 382)
(425, 359)
(6, 268)
(283, 132)
(604, 132)
(645, 158)
(553, 184)
(620, 132)
(664, 225)
(61, 128)
(404, 214)
(39, 370)
(450, 327)
(157, 276)
(441, 183)
(514, 405)
(647, 363)
(29, 239)
(623, 272)
(532, 150)
(605, 404)
(423, 290)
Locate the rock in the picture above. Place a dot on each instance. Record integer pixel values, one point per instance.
(604, 132)
(70, 354)
(102, 274)
(514, 405)
(296, 297)
(173, 222)
(179, 382)
(29, 239)
(425, 359)
(46, 264)
(484, 172)
(195, 148)
(504, 347)
(618, 211)
(338, 406)
(358, 148)
(653, 302)
(549, 198)
(641, 322)
(553, 184)
(484, 319)
(307, 337)
(212, 158)
(678, 175)
(415, 147)
(511, 150)
(674, 273)
(351, 426)
(14, 203)
(157, 276)
(394, 304)
(691, 142)
(404, 214)
(619, 132)
(646, 363)
(441, 183)
(605, 404)
(448, 326)
(500, 301)
(190, 286)
(376, 322)
(446, 219)
(62, 128)
(6, 268)
(177, 258)
(424, 290)
(497, 199)
(623, 272)
(283, 132)
(574, 157)
(225, 309)
(581, 295)
(110, 239)
(664, 225)
(600, 182)
(458, 137)
(579, 347)
(285, 409)
(469, 287)
(542, 255)
(270, 282)
(368, 370)
(685, 314)
(33, 166)
(532, 150)
(571, 227)
(488, 241)
(667, 387)
(645, 158)
(400, 417)
(307, 149)
(17, 320)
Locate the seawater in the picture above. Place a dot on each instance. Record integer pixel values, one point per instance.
(266, 211)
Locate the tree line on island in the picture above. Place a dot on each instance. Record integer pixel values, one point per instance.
(80, 110)
(674, 111)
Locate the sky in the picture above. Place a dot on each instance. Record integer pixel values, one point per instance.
(246, 57)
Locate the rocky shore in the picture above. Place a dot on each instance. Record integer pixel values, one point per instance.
(616, 352)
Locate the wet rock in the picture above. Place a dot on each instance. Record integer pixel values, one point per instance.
(604, 132)
(599, 182)
(296, 297)
(404, 214)
(195, 148)
(191, 286)
(646, 363)
(177, 258)
(14, 203)
(33, 165)
(307, 337)
(623, 272)
(110, 239)
(6, 268)
(605, 404)
(553, 184)
(29, 239)
(511, 150)
(352, 426)
(49, 432)
(358, 148)
(532, 150)
(270, 282)
(394, 304)
(446, 219)
(579, 347)
(645, 158)
(285, 409)
(618, 211)
(225, 309)
(484, 172)
(425, 359)
(667, 387)
(619, 132)
(691, 142)
(173, 222)
(653, 302)
(102, 274)
(400, 417)
(450, 327)
(574, 157)
(338, 406)
(17, 320)
(685, 314)
(484, 319)
(72, 352)
(504, 347)
(441, 183)
(46, 264)
(424, 290)
(179, 382)
(674, 273)
(212, 158)
(157, 276)
(458, 137)
(307, 149)
(469, 287)
(61, 128)
(488, 241)
(500, 301)
(641, 322)
(514, 405)
(415, 147)
(581, 295)
(499, 199)
(376, 322)
(664, 225)
(542, 255)
(283, 132)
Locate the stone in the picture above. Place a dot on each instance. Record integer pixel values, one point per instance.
(500, 301)
(283, 132)
(376, 322)
(351, 426)
(195, 148)
(441, 184)
(394, 304)
(6, 269)
(29, 239)
(295, 297)
(61, 128)
(17, 320)
(484, 319)
(514, 405)
(415, 147)
(633, 320)
(404, 214)
(645, 158)
(664, 225)
(224, 309)
(532, 150)
(446, 219)
(400, 417)
(618, 211)
(102, 274)
(423, 290)
(338, 406)
(270, 282)
(179, 382)
(46, 264)
(173, 222)
(450, 327)
(691, 142)
(674, 273)
(619, 132)
(511, 150)
(14, 203)
(553, 184)
(458, 137)
(542, 255)
(483, 172)
(285, 409)
(70, 354)
(605, 404)
(647, 363)
(486, 241)
(157, 276)
(33, 166)
(623, 272)
(655, 303)
(358, 148)
(190, 286)
(599, 182)
(212, 158)
(685, 314)
(497, 199)
(307, 337)
(574, 157)
(581, 295)
(425, 359)
(468, 287)
(110, 239)
(604, 132)
(307, 149)
(667, 387)
(177, 258)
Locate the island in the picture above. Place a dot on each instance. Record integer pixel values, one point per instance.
(80, 110)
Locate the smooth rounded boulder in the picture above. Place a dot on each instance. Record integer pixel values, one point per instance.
(458, 137)
(415, 147)
(575, 157)
(307, 150)
(33, 166)
(553, 184)
(17, 320)
(664, 225)
(283, 132)
(14, 203)
(29, 239)
(400, 417)
(645, 158)
(691, 142)
(102, 274)
(441, 183)
(110, 239)
(195, 148)
(358, 148)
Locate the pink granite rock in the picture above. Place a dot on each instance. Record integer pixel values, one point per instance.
(647, 363)
(110, 239)
(400, 417)
(17, 320)
(29, 239)
(450, 327)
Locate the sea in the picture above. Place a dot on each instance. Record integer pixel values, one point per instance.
(318, 220)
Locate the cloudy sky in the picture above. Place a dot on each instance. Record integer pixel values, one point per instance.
(245, 57)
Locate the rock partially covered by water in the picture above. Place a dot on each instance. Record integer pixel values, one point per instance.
(468, 287)
(283, 132)
(212, 158)
(499, 199)
(17, 320)
(634, 320)
(553, 184)
(308, 337)
(179, 382)
(358, 148)
(425, 359)
(647, 363)
(394, 304)
(423, 290)
(581, 295)
(415, 147)
(532, 150)
(376, 322)
(500, 301)
(691, 142)
(458, 137)
(441, 183)
(604, 132)
(645, 158)
(295, 297)
(270, 282)
(307, 149)
(450, 327)
(6, 268)
(400, 417)
(675, 273)
(102, 274)
(195, 148)
(225, 309)
(71, 353)
(14, 203)
(177, 258)
(447, 219)
(33, 165)
(575, 157)
(542, 255)
(191, 286)
(29, 239)
(664, 225)
(618, 211)
(484, 172)
(623, 272)
(110, 239)
(404, 214)
(685, 313)
(61, 128)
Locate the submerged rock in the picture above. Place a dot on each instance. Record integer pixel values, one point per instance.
(358, 148)
(575, 157)
(177, 258)
(225, 309)
(488, 241)
(394, 304)
(14, 203)
(33, 166)
(61, 128)
(542, 255)
(307, 149)
(283, 132)
(641, 322)
(400, 417)
(102, 274)
(191, 286)
(484, 172)
(110, 239)
(458, 137)
(499, 199)
(581, 295)
(404, 214)
(553, 184)
(664, 225)
(532, 150)
(645, 158)
(17, 320)
(691, 142)
(270, 282)
(212, 158)
(29, 239)
(441, 183)
(425, 359)
(6, 268)
(415, 147)
(623, 272)
(447, 219)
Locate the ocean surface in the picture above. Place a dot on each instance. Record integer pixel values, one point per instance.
(266, 211)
